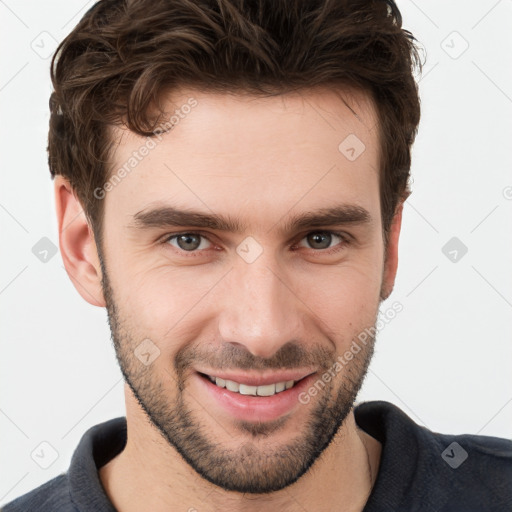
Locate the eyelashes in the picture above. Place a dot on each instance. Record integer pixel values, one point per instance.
(198, 247)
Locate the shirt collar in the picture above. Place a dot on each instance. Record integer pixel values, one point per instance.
(382, 420)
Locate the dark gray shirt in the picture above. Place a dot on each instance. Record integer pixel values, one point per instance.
(419, 470)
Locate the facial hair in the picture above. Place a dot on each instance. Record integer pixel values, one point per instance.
(256, 466)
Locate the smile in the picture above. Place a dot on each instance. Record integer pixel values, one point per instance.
(244, 389)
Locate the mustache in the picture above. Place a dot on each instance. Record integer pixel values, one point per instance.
(236, 357)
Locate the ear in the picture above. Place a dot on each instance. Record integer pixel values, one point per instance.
(77, 244)
(391, 256)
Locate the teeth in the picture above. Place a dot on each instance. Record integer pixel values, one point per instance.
(243, 389)
(232, 386)
(248, 390)
(280, 386)
(268, 390)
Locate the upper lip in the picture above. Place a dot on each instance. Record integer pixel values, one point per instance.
(259, 380)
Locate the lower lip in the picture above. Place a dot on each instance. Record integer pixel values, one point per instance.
(256, 408)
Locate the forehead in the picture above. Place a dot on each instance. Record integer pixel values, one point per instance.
(225, 151)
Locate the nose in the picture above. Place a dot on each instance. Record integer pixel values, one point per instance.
(259, 308)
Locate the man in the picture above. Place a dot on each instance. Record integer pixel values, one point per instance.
(229, 182)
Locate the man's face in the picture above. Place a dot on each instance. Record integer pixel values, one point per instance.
(269, 299)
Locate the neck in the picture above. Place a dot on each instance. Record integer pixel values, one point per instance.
(343, 474)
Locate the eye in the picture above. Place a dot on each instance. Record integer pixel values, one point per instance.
(188, 242)
(322, 240)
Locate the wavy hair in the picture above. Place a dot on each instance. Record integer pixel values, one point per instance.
(123, 55)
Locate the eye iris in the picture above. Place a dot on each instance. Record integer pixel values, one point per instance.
(188, 242)
(319, 238)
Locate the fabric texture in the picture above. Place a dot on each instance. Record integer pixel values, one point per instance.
(420, 470)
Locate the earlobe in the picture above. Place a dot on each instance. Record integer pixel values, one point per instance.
(77, 244)
(391, 257)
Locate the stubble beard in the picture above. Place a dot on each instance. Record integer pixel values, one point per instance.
(258, 465)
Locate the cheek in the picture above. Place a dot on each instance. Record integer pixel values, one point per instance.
(161, 303)
(173, 305)
(345, 298)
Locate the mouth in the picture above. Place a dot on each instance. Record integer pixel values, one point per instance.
(251, 390)
(254, 398)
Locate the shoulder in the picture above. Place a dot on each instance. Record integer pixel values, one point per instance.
(475, 465)
(386, 421)
(473, 471)
(443, 472)
(52, 496)
(80, 488)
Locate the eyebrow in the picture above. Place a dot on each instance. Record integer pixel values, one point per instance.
(168, 216)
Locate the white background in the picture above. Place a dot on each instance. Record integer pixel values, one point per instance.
(446, 359)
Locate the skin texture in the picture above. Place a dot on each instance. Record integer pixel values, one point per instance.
(298, 305)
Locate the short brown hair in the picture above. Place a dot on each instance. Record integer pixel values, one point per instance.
(115, 64)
